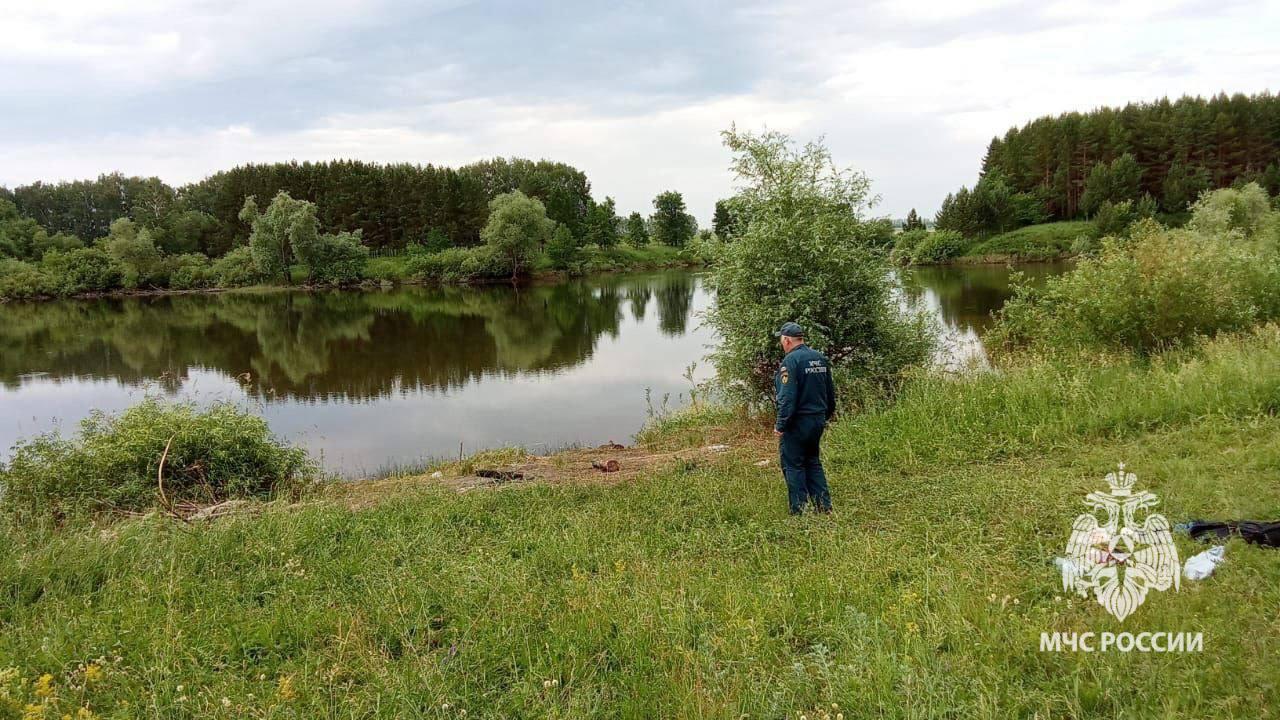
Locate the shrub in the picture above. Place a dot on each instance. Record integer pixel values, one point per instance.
(113, 462)
(24, 281)
(460, 265)
(881, 233)
(137, 255)
(436, 241)
(339, 258)
(191, 271)
(703, 249)
(1085, 244)
(1241, 210)
(802, 256)
(1161, 289)
(1113, 219)
(938, 246)
(236, 269)
(904, 245)
(81, 270)
(562, 251)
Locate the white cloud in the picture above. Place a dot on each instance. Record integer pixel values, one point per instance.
(909, 92)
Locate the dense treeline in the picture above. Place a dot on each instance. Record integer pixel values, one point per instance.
(392, 205)
(320, 224)
(1161, 155)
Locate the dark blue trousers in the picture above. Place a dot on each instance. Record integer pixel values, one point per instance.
(801, 466)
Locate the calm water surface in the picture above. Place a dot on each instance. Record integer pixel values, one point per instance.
(371, 379)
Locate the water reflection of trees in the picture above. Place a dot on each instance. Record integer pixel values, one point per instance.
(966, 296)
(675, 298)
(332, 344)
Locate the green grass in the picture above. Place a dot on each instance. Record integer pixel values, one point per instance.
(1034, 242)
(691, 594)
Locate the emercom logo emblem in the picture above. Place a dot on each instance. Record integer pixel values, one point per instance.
(1120, 559)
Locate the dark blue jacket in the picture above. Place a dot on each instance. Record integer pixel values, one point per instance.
(804, 386)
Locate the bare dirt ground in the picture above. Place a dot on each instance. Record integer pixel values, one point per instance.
(610, 464)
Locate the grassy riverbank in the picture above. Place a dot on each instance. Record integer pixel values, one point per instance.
(688, 592)
(1033, 243)
(1049, 241)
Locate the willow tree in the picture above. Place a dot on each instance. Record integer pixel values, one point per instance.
(804, 253)
(276, 233)
(517, 228)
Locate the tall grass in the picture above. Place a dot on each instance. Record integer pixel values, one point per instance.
(1044, 404)
(691, 594)
(150, 454)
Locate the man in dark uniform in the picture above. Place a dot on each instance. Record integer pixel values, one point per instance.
(806, 401)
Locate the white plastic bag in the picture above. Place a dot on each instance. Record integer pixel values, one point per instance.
(1200, 566)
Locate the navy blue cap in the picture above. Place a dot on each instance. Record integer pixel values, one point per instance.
(790, 329)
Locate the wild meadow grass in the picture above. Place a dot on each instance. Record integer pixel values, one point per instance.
(1034, 242)
(691, 594)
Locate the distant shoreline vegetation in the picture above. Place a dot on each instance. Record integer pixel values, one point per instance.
(331, 224)
(1056, 186)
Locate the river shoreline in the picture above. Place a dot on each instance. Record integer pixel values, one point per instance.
(541, 277)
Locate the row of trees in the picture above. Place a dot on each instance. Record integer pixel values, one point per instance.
(1164, 153)
(286, 237)
(141, 233)
(392, 206)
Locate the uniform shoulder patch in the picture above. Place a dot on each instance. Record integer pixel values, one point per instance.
(785, 374)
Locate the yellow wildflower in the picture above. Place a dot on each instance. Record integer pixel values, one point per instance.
(92, 672)
(85, 713)
(913, 629)
(44, 686)
(285, 688)
(33, 712)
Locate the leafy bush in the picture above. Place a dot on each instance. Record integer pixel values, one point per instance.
(904, 245)
(802, 256)
(703, 249)
(339, 259)
(881, 233)
(24, 281)
(562, 251)
(137, 255)
(436, 241)
(1241, 210)
(938, 246)
(1086, 244)
(1113, 219)
(460, 265)
(113, 463)
(1160, 289)
(81, 270)
(236, 269)
(191, 271)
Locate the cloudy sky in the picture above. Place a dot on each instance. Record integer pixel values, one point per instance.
(634, 93)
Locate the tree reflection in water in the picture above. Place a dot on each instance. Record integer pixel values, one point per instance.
(352, 345)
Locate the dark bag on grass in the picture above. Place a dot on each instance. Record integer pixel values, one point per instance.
(1253, 531)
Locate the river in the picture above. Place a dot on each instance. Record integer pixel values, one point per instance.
(373, 380)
